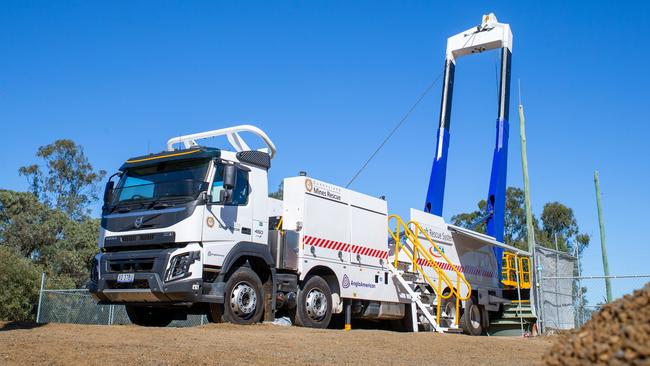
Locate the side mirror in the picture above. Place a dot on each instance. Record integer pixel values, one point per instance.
(229, 177)
(108, 192)
(225, 196)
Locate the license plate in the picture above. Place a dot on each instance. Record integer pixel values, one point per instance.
(125, 277)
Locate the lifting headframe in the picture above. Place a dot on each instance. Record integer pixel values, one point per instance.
(490, 34)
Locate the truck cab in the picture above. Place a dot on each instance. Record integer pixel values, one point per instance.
(173, 226)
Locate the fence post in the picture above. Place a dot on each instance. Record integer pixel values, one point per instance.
(542, 320)
(111, 309)
(521, 319)
(40, 298)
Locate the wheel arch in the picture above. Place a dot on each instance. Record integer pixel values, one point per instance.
(256, 256)
(328, 275)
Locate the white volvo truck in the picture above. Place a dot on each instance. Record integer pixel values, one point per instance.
(192, 230)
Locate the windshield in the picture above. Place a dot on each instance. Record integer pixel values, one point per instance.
(172, 179)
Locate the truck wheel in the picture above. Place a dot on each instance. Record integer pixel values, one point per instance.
(448, 312)
(244, 300)
(406, 323)
(314, 307)
(215, 313)
(471, 321)
(149, 317)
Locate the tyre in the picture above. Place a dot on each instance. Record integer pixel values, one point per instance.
(243, 298)
(472, 319)
(406, 323)
(149, 317)
(448, 313)
(314, 306)
(215, 313)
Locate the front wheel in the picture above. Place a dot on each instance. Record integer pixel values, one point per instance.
(314, 306)
(244, 299)
(149, 317)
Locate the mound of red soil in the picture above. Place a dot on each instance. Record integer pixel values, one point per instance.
(619, 334)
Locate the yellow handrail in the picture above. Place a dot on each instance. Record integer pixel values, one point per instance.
(459, 275)
(413, 258)
(509, 270)
(418, 248)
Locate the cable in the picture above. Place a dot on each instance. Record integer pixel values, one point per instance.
(408, 113)
(399, 124)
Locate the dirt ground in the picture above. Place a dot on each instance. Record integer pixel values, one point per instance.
(619, 334)
(67, 344)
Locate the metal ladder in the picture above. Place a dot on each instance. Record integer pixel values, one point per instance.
(426, 294)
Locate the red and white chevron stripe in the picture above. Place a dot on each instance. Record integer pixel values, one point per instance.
(462, 269)
(344, 247)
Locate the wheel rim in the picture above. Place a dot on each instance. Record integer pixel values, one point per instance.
(243, 300)
(450, 312)
(475, 317)
(316, 304)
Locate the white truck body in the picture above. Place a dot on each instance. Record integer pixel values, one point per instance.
(181, 256)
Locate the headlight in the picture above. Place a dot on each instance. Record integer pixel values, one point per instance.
(180, 264)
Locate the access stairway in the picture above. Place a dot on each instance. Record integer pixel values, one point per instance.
(435, 300)
(516, 316)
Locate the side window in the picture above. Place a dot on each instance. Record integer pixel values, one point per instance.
(239, 193)
(217, 184)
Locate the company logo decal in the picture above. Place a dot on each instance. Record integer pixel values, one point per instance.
(138, 222)
(210, 221)
(435, 253)
(346, 281)
(325, 190)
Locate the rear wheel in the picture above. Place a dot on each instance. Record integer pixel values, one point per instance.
(314, 307)
(244, 299)
(149, 317)
(472, 319)
(448, 312)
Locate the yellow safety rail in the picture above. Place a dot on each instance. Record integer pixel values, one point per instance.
(420, 250)
(509, 270)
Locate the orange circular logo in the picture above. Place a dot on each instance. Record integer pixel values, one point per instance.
(309, 185)
(210, 221)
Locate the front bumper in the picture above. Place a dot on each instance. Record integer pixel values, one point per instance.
(148, 286)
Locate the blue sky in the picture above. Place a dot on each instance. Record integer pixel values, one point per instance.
(328, 80)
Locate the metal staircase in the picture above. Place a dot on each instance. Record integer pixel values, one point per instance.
(435, 300)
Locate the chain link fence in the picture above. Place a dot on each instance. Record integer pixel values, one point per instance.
(78, 307)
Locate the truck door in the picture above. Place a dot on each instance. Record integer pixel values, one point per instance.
(226, 224)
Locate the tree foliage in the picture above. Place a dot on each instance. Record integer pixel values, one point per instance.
(279, 193)
(67, 181)
(20, 283)
(47, 236)
(47, 229)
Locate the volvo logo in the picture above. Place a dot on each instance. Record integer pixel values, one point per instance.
(138, 222)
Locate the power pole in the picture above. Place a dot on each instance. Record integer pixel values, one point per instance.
(524, 168)
(603, 246)
(530, 237)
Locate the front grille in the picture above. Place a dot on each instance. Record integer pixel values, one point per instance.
(128, 238)
(137, 284)
(131, 265)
